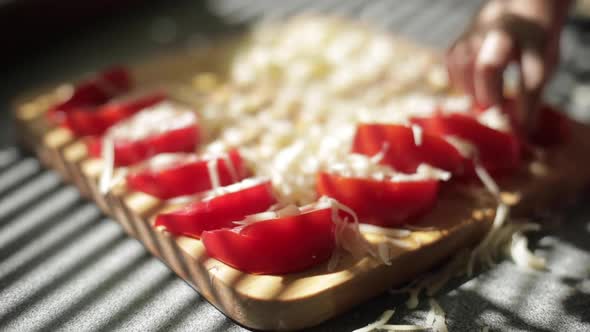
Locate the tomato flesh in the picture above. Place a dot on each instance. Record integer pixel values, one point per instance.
(277, 246)
(219, 212)
(94, 121)
(498, 151)
(188, 178)
(401, 151)
(383, 203)
(132, 152)
(94, 92)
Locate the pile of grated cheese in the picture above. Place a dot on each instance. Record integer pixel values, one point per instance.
(299, 89)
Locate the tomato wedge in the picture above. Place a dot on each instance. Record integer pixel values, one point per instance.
(380, 202)
(402, 152)
(276, 246)
(498, 151)
(162, 128)
(220, 211)
(93, 92)
(188, 176)
(93, 121)
(132, 152)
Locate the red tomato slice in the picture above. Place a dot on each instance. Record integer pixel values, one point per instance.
(188, 177)
(401, 152)
(132, 152)
(218, 212)
(94, 121)
(94, 92)
(277, 246)
(383, 203)
(498, 151)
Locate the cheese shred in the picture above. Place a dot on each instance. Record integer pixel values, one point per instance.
(108, 157)
(213, 173)
(417, 132)
(385, 317)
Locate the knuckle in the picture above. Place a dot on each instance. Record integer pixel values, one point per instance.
(487, 68)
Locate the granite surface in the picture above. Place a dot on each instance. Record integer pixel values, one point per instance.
(64, 266)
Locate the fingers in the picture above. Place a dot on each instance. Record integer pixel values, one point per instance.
(460, 60)
(533, 77)
(496, 53)
(477, 66)
(455, 57)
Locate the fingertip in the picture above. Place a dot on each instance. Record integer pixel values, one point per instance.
(452, 58)
(496, 52)
(533, 71)
(533, 78)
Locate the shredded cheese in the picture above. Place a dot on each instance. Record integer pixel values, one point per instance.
(483, 247)
(348, 235)
(108, 157)
(213, 173)
(314, 96)
(234, 187)
(230, 166)
(465, 148)
(414, 328)
(495, 119)
(381, 325)
(522, 256)
(360, 166)
(164, 161)
(438, 324)
(387, 231)
(385, 317)
(257, 217)
(502, 234)
(487, 180)
(420, 228)
(154, 120)
(417, 132)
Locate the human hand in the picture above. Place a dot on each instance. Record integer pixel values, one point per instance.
(525, 32)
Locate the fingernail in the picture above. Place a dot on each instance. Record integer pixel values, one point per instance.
(488, 52)
(533, 71)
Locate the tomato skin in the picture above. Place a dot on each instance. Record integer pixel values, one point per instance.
(187, 178)
(382, 203)
(93, 92)
(499, 152)
(132, 152)
(277, 246)
(94, 121)
(402, 153)
(218, 212)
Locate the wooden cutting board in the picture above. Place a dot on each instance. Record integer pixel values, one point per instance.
(304, 299)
